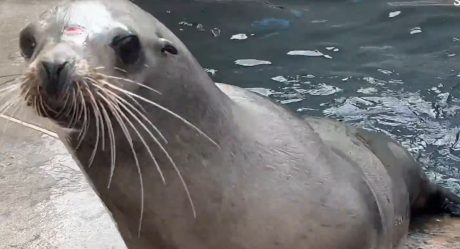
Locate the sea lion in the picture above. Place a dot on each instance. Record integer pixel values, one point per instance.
(183, 162)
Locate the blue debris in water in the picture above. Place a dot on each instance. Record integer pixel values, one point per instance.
(297, 13)
(270, 24)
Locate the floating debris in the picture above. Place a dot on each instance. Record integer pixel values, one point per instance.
(332, 49)
(215, 32)
(394, 14)
(310, 53)
(251, 62)
(323, 89)
(387, 72)
(239, 37)
(396, 82)
(288, 101)
(184, 23)
(319, 21)
(281, 79)
(369, 90)
(374, 81)
(211, 71)
(268, 24)
(200, 27)
(304, 109)
(415, 30)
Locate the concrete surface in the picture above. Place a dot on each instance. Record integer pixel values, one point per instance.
(45, 202)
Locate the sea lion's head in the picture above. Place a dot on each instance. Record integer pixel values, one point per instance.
(94, 56)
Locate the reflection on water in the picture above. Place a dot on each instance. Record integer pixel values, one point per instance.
(386, 65)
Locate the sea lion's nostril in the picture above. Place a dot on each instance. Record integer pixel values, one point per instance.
(54, 76)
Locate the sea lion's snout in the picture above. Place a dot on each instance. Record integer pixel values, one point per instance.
(56, 76)
(56, 71)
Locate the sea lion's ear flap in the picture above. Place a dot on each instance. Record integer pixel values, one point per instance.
(167, 46)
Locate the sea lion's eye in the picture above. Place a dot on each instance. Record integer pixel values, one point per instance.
(128, 48)
(27, 44)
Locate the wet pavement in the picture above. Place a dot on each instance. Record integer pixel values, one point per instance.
(45, 201)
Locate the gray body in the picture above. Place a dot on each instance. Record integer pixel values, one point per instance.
(275, 180)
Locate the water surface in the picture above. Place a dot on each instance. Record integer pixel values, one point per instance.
(385, 65)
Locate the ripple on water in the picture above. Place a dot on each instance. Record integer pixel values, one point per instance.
(414, 122)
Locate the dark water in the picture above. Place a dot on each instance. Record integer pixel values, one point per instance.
(397, 74)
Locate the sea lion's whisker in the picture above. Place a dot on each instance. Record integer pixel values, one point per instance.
(76, 117)
(4, 107)
(5, 127)
(101, 121)
(97, 117)
(136, 110)
(74, 110)
(130, 141)
(49, 108)
(9, 75)
(64, 107)
(120, 69)
(71, 106)
(41, 104)
(8, 88)
(120, 112)
(9, 104)
(184, 184)
(18, 108)
(116, 68)
(7, 94)
(9, 84)
(84, 126)
(129, 81)
(37, 106)
(81, 104)
(166, 110)
(176, 169)
(128, 96)
(140, 136)
(112, 144)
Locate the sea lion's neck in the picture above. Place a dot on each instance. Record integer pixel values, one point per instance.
(200, 102)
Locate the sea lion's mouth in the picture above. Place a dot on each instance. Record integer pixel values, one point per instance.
(90, 95)
(64, 101)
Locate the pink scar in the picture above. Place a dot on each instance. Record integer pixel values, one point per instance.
(74, 30)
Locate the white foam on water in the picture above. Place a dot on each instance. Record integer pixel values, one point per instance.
(309, 53)
(251, 62)
(394, 14)
(239, 37)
